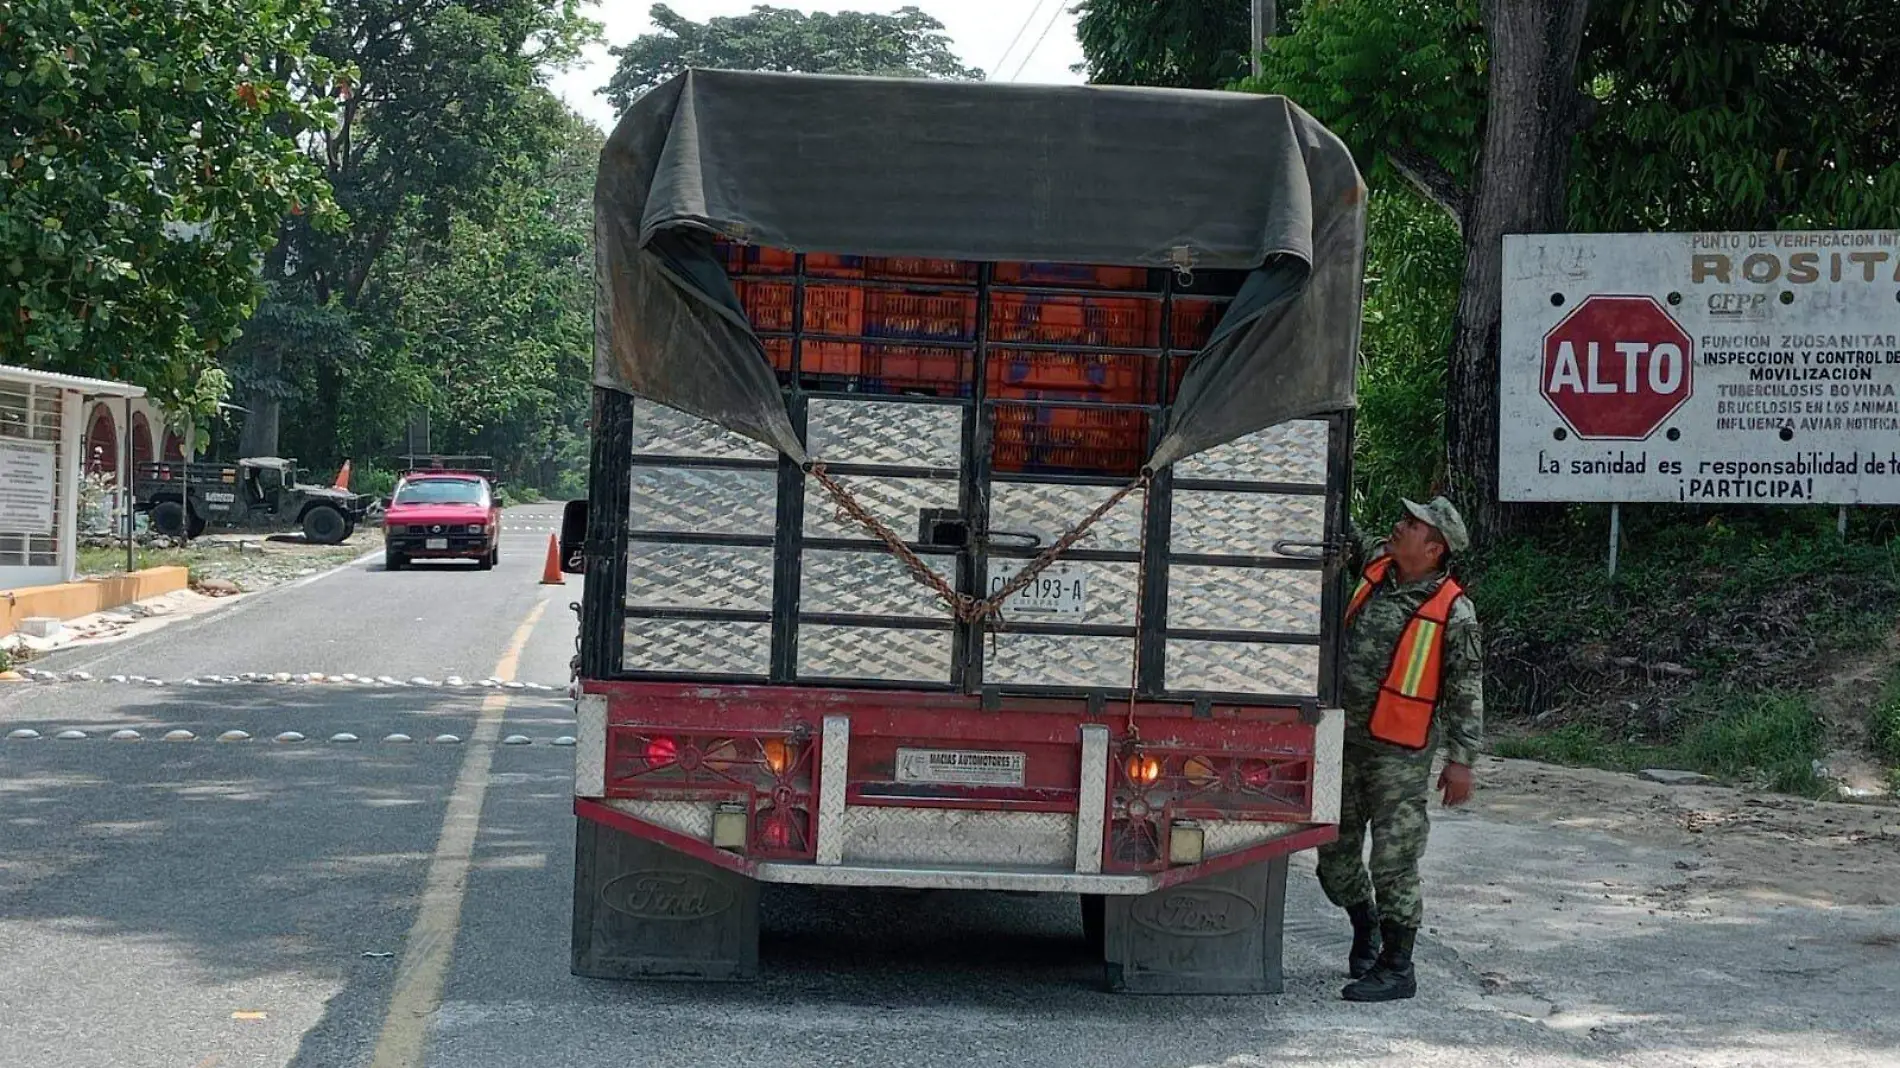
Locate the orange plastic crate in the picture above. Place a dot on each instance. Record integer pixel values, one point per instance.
(916, 269)
(1117, 322)
(920, 315)
(1075, 440)
(1116, 378)
(1193, 322)
(920, 368)
(1072, 275)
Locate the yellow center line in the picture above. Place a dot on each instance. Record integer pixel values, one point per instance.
(431, 941)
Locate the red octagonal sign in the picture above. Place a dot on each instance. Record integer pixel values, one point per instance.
(1617, 367)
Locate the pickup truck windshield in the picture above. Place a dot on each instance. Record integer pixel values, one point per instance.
(443, 491)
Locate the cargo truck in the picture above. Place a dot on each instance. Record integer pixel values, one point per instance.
(967, 491)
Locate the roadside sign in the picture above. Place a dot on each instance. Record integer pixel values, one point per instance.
(1703, 368)
(1617, 367)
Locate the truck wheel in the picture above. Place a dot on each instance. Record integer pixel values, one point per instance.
(197, 525)
(487, 562)
(325, 525)
(168, 518)
(394, 561)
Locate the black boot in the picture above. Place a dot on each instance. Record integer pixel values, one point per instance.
(1365, 940)
(1391, 979)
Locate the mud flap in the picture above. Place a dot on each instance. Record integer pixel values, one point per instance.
(642, 911)
(1218, 935)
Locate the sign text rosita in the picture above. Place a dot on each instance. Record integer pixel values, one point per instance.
(1795, 258)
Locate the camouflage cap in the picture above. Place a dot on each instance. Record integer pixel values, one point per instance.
(1440, 514)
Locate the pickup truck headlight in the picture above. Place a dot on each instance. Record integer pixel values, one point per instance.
(476, 528)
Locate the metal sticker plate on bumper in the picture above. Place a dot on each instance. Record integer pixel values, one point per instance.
(436, 543)
(966, 767)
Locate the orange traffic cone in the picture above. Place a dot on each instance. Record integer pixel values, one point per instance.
(343, 476)
(551, 571)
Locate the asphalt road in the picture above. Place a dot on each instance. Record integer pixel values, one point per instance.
(209, 905)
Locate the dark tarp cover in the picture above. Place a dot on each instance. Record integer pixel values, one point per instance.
(977, 171)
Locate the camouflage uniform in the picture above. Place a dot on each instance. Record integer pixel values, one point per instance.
(1387, 785)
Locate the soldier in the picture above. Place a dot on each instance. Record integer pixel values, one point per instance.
(1413, 678)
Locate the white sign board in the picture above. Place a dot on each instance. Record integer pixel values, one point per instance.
(28, 485)
(1701, 368)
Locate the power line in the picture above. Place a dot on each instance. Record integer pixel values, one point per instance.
(1000, 60)
(1060, 11)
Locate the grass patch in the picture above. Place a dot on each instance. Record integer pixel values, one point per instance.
(1577, 745)
(111, 560)
(1770, 739)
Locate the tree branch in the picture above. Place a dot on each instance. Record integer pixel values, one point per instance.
(1433, 181)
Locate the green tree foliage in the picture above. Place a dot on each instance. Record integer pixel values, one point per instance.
(445, 103)
(503, 310)
(1198, 45)
(1413, 260)
(1673, 115)
(907, 43)
(147, 156)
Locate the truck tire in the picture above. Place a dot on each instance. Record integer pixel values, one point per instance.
(490, 559)
(168, 518)
(324, 525)
(394, 561)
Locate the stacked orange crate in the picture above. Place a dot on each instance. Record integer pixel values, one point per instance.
(1052, 437)
(921, 315)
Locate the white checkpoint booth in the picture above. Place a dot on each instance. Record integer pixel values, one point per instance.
(41, 458)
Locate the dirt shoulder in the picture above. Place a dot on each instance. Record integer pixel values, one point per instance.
(1814, 852)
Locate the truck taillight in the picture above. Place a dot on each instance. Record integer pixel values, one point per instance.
(1143, 770)
(661, 752)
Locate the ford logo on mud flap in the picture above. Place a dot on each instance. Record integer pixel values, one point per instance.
(666, 895)
(1195, 912)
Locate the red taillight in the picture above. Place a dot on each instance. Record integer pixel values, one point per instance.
(661, 752)
(1143, 770)
(1256, 774)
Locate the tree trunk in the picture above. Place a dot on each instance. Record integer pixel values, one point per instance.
(1520, 188)
(263, 409)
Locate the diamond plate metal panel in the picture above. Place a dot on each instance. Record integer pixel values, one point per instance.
(1243, 667)
(1244, 598)
(699, 576)
(706, 502)
(1232, 836)
(1244, 524)
(885, 432)
(872, 582)
(1049, 512)
(873, 653)
(1289, 452)
(892, 835)
(895, 501)
(698, 647)
(1044, 660)
(663, 431)
(691, 818)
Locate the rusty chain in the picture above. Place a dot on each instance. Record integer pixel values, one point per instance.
(966, 608)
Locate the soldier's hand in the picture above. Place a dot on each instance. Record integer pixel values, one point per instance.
(1455, 780)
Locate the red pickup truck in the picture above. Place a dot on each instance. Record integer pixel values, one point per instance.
(442, 515)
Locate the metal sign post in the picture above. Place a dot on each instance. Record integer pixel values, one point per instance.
(1616, 536)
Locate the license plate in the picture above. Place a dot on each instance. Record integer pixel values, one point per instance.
(436, 543)
(1060, 590)
(964, 767)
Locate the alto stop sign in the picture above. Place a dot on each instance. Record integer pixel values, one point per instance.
(1617, 367)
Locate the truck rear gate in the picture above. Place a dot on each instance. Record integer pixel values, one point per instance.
(772, 693)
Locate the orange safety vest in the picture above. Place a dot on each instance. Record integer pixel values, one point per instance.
(1402, 715)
